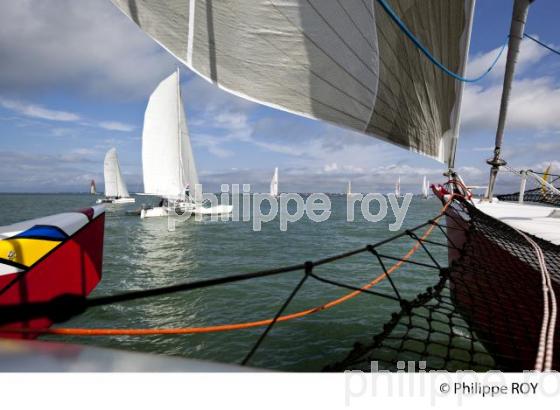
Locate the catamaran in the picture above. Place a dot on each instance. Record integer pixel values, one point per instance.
(274, 184)
(369, 66)
(168, 163)
(115, 187)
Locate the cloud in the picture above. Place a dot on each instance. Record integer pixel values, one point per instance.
(116, 126)
(42, 113)
(85, 45)
(533, 106)
(530, 53)
(37, 111)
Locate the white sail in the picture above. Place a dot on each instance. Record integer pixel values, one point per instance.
(115, 186)
(92, 188)
(344, 62)
(274, 183)
(349, 188)
(167, 158)
(425, 187)
(398, 187)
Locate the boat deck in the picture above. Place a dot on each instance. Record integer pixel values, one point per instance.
(531, 218)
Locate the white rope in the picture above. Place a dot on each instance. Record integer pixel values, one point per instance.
(545, 352)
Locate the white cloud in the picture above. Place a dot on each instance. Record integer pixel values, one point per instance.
(530, 53)
(37, 111)
(533, 106)
(88, 45)
(116, 126)
(42, 113)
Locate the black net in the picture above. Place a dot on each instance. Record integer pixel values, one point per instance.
(485, 312)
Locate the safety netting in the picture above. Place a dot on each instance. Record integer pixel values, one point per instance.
(485, 312)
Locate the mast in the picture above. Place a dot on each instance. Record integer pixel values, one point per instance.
(518, 20)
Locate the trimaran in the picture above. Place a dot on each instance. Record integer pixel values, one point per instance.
(365, 65)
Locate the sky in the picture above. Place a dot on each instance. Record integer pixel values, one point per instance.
(75, 77)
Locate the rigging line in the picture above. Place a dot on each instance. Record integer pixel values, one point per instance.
(427, 53)
(541, 43)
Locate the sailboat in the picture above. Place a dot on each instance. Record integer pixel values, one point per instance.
(274, 184)
(92, 187)
(349, 188)
(425, 188)
(168, 163)
(360, 65)
(398, 187)
(115, 187)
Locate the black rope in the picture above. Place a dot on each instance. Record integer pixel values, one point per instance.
(308, 271)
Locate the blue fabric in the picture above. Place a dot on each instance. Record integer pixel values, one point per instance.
(43, 231)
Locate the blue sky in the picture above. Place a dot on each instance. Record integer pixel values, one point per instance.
(75, 77)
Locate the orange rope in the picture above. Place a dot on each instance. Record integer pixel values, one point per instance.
(231, 326)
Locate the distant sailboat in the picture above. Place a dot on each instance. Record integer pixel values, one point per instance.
(92, 188)
(398, 187)
(425, 188)
(349, 188)
(115, 187)
(274, 184)
(168, 163)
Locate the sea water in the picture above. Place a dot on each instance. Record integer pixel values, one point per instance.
(144, 254)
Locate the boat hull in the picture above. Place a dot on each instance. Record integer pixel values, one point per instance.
(116, 201)
(192, 210)
(497, 290)
(50, 257)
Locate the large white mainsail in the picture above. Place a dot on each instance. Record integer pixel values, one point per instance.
(115, 186)
(341, 61)
(167, 158)
(274, 183)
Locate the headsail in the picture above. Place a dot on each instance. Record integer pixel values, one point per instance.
(115, 186)
(274, 183)
(344, 62)
(167, 159)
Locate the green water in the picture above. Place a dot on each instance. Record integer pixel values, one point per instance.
(142, 254)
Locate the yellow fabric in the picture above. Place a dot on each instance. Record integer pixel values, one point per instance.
(25, 251)
(545, 177)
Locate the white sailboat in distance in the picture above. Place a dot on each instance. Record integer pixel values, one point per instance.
(115, 187)
(349, 188)
(425, 188)
(168, 164)
(274, 184)
(398, 187)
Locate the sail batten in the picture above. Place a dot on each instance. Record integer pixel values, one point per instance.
(342, 62)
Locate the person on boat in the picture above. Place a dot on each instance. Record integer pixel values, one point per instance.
(187, 192)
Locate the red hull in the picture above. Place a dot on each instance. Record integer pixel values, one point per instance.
(498, 292)
(74, 267)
